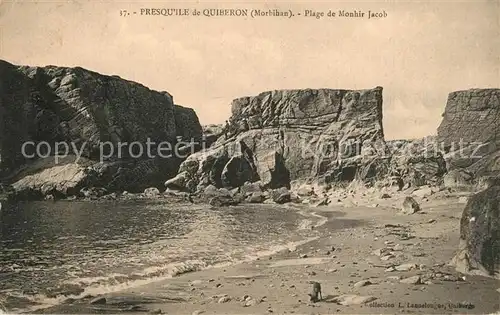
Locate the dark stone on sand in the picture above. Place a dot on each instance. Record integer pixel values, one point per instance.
(362, 283)
(251, 188)
(410, 206)
(223, 201)
(281, 195)
(479, 250)
(412, 280)
(256, 198)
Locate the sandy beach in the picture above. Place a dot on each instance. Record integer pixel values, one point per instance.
(368, 259)
(249, 157)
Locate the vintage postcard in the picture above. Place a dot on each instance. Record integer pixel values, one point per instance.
(249, 157)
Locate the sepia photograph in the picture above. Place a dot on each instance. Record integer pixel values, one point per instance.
(249, 157)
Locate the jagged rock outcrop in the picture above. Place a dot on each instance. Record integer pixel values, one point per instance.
(470, 131)
(276, 137)
(417, 162)
(93, 114)
(479, 251)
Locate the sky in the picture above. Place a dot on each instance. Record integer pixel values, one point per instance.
(419, 52)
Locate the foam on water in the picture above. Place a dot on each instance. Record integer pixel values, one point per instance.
(215, 256)
(94, 286)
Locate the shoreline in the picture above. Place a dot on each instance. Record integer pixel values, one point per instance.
(353, 278)
(308, 220)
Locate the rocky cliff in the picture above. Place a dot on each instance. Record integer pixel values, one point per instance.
(279, 137)
(468, 135)
(85, 110)
(471, 116)
(470, 131)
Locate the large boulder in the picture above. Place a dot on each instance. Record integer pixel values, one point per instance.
(59, 180)
(256, 197)
(178, 182)
(281, 195)
(250, 188)
(222, 201)
(97, 115)
(151, 192)
(276, 137)
(479, 249)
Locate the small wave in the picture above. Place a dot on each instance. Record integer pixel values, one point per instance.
(88, 281)
(109, 284)
(99, 285)
(117, 282)
(277, 248)
(174, 269)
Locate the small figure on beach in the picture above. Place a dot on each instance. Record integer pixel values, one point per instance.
(315, 295)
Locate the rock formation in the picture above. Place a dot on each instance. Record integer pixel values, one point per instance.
(93, 113)
(417, 162)
(471, 116)
(212, 133)
(286, 138)
(278, 137)
(468, 135)
(470, 131)
(479, 251)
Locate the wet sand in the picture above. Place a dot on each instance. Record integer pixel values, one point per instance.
(344, 259)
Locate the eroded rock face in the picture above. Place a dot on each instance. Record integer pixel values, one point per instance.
(280, 136)
(479, 251)
(471, 116)
(93, 114)
(469, 136)
(470, 131)
(417, 162)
